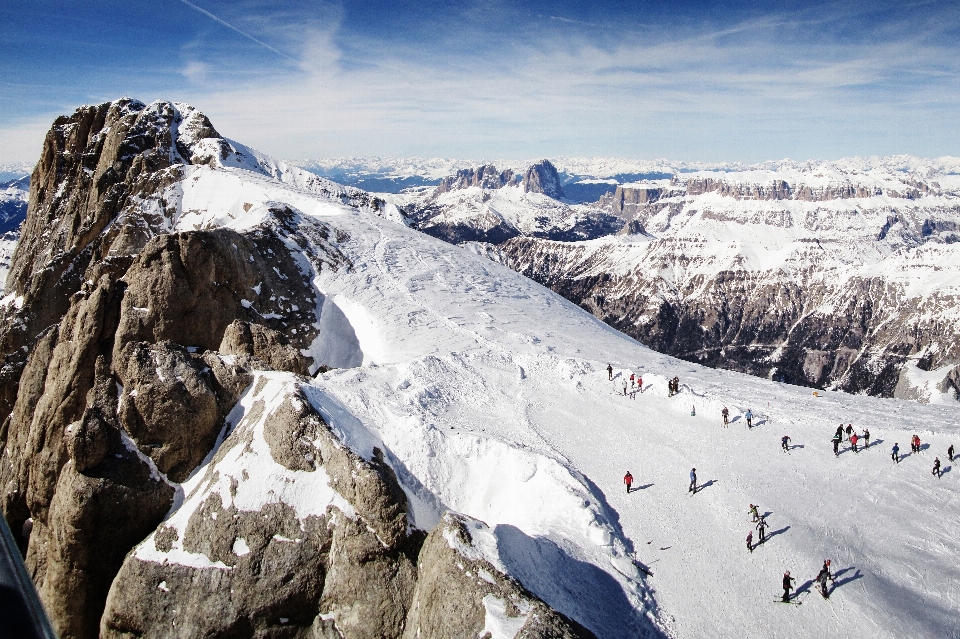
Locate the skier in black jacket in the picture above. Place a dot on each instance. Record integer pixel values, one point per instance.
(787, 586)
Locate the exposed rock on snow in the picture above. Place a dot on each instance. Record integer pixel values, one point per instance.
(462, 593)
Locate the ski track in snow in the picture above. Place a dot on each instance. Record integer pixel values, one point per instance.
(490, 396)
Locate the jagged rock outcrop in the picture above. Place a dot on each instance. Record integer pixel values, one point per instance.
(459, 592)
(542, 178)
(109, 348)
(485, 177)
(276, 570)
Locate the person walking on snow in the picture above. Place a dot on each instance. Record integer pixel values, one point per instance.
(915, 444)
(840, 431)
(895, 453)
(750, 541)
(866, 438)
(754, 513)
(693, 481)
(849, 429)
(610, 372)
(950, 452)
(633, 378)
(640, 383)
(837, 438)
(624, 387)
(762, 529)
(785, 443)
(726, 415)
(749, 416)
(787, 586)
(822, 577)
(628, 480)
(936, 467)
(853, 442)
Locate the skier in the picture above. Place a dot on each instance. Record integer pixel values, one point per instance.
(895, 453)
(915, 444)
(866, 438)
(762, 529)
(837, 438)
(754, 513)
(822, 577)
(749, 416)
(628, 480)
(849, 429)
(936, 467)
(726, 415)
(785, 443)
(853, 442)
(787, 586)
(640, 383)
(610, 372)
(950, 452)
(693, 482)
(750, 541)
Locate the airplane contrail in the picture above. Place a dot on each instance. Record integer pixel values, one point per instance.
(233, 28)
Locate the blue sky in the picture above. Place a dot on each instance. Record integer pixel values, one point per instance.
(719, 81)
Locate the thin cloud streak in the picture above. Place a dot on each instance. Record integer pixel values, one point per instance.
(233, 28)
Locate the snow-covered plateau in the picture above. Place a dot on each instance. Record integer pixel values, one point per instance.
(257, 403)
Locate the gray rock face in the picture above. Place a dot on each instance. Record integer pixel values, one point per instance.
(80, 458)
(264, 344)
(486, 177)
(289, 575)
(542, 178)
(458, 588)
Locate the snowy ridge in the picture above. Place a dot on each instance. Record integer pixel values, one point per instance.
(489, 395)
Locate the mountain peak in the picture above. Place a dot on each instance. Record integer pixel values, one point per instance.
(542, 178)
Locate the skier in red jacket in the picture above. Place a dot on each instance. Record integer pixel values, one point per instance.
(628, 480)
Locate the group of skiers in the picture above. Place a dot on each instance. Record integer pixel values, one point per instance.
(820, 579)
(725, 413)
(634, 383)
(915, 447)
(852, 437)
(761, 526)
(673, 387)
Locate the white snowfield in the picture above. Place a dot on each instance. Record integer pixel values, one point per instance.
(490, 396)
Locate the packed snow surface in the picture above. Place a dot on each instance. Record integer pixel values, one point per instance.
(490, 397)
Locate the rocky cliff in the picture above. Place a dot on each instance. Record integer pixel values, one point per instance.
(822, 313)
(167, 471)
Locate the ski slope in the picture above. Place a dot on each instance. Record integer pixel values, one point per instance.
(490, 396)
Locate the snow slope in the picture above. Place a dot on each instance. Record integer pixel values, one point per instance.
(490, 395)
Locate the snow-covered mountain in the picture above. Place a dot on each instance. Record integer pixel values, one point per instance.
(822, 276)
(267, 397)
(489, 205)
